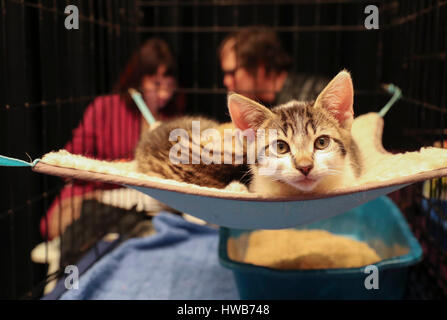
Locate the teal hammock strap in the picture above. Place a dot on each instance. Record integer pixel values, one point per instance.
(11, 162)
(139, 101)
(397, 94)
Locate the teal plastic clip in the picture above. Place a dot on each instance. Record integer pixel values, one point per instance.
(397, 94)
(11, 162)
(139, 101)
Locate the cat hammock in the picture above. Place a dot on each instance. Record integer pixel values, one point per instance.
(384, 173)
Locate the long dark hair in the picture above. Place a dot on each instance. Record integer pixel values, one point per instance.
(154, 53)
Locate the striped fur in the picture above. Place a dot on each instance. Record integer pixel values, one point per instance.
(300, 124)
(152, 155)
(318, 153)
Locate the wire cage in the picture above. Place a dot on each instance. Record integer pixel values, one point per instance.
(50, 75)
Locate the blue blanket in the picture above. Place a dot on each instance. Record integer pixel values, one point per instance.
(179, 262)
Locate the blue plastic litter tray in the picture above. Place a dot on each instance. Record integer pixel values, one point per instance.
(378, 223)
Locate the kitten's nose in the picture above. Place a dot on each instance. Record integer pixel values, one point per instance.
(306, 169)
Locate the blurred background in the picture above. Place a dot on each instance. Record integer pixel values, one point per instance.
(49, 75)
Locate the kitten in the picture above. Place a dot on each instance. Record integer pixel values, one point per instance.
(154, 155)
(313, 149)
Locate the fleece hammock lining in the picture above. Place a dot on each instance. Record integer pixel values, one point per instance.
(383, 173)
(381, 169)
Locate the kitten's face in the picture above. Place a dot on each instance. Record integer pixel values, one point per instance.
(312, 140)
(310, 146)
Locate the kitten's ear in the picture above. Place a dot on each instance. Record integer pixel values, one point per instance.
(246, 113)
(338, 99)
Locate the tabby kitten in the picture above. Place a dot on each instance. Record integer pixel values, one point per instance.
(313, 149)
(154, 155)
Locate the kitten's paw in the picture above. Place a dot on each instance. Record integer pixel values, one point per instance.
(236, 186)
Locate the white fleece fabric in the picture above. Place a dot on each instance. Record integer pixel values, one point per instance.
(366, 130)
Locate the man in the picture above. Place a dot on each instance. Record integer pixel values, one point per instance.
(255, 65)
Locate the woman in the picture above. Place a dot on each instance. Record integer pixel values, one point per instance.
(111, 125)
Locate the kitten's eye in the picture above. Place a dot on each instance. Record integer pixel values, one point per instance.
(322, 142)
(282, 147)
